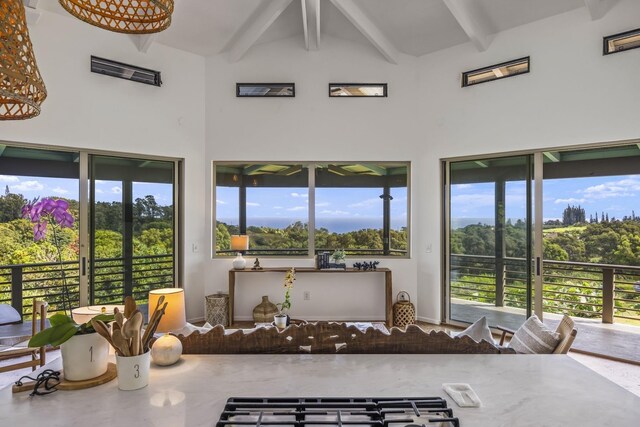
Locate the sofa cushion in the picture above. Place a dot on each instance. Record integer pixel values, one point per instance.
(478, 331)
(533, 337)
(8, 315)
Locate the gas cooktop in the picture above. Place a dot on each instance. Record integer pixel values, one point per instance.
(337, 411)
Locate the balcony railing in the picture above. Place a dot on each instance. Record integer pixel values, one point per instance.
(21, 283)
(305, 251)
(601, 291)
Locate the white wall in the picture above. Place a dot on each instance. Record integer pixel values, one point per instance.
(312, 127)
(573, 95)
(91, 111)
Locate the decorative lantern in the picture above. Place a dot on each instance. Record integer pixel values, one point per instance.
(404, 312)
(123, 16)
(22, 90)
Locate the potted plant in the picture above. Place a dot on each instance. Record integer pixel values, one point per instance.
(339, 256)
(281, 319)
(84, 353)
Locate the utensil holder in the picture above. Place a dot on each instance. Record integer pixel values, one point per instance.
(133, 372)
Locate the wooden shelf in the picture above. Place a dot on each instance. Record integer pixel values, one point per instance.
(387, 274)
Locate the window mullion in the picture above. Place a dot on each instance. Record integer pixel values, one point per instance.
(311, 188)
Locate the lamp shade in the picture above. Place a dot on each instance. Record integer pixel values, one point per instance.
(239, 242)
(174, 317)
(123, 16)
(22, 90)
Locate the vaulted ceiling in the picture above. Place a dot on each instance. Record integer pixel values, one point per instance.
(413, 27)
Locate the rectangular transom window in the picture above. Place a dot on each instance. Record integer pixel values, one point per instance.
(496, 72)
(621, 42)
(257, 90)
(359, 207)
(357, 90)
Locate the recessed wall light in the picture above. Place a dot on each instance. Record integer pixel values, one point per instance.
(359, 90)
(125, 71)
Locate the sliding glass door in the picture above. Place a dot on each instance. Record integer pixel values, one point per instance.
(133, 241)
(490, 240)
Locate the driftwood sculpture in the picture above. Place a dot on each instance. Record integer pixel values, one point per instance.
(326, 337)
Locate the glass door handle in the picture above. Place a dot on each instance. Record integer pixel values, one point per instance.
(84, 266)
(537, 266)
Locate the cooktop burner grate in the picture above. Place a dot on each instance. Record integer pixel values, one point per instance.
(338, 411)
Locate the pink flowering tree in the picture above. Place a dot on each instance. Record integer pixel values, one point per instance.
(53, 214)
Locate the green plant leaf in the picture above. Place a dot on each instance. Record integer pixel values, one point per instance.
(42, 338)
(59, 319)
(62, 333)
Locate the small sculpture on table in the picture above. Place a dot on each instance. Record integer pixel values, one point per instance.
(256, 265)
(366, 266)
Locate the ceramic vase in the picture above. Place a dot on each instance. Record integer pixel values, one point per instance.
(166, 350)
(280, 321)
(133, 371)
(239, 263)
(264, 312)
(84, 357)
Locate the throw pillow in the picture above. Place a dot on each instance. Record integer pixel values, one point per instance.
(478, 331)
(533, 337)
(8, 314)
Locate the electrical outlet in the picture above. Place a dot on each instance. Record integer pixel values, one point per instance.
(307, 295)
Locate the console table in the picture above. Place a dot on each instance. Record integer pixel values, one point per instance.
(388, 285)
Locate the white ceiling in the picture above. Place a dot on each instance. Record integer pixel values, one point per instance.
(414, 27)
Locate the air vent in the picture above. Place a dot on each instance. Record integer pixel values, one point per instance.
(266, 90)
(496, 72)
(621, 42)
(125, 71)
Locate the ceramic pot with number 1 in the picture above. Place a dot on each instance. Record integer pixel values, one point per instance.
(84, 357)
(133, 371)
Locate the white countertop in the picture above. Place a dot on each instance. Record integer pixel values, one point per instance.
(515, 390)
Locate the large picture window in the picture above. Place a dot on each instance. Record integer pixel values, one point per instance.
(359, 207)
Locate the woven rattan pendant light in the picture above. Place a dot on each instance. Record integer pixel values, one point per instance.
(123, 16)
(21, 87)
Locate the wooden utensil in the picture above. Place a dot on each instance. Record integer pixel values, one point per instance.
(102, 329)
(129, 306)
(121, 343)
(152, 326)
(132, 330)
(119, 318)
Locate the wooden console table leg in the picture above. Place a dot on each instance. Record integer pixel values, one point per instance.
(388, 297)
(232, 291)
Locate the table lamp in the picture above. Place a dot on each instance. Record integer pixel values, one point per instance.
(167, 349)
(239, 243)
(174, 317)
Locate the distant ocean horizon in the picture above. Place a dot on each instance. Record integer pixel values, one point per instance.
(334, 225)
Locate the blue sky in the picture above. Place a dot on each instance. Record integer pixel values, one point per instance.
(615, 195)
(106, 191)
(353, 208)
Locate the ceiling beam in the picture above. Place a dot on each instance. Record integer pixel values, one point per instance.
(554, 156)
(290, 170)
(311, 23)
(31, 12)
(2, 148)
(598, 8)
(476, 28)
(250, 170)
(254, 27)
(143, 41)
(338, 170)
(362, 22)
(375, 168)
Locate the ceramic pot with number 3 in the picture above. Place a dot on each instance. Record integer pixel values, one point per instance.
(133, 372)
(84, 357)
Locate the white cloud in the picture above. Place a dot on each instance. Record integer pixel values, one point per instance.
(334, 213)
(304, 195)
(622, 188)
(322, 204)
(461, 186)
(569, 200)
(60, 190)
(220, 202)
(277, 207)
(367, 203)
(28, 186)
(253, 204)
(297, 208)
(100, 181)
(9, 178)
(99, 191)
(116, 190)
